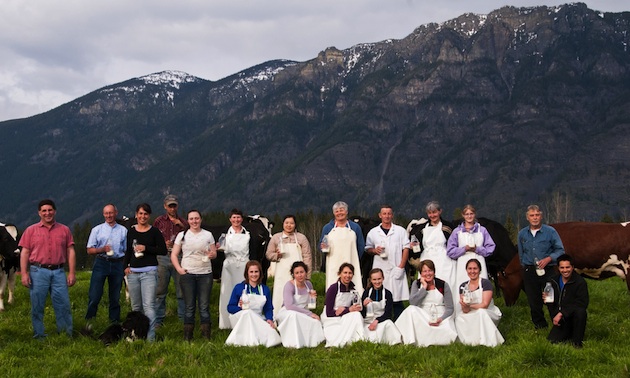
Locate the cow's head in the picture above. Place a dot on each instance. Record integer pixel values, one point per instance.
(510, 281)
(366, 224)
(263, 220)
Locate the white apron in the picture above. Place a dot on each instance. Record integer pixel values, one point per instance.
(236, 256)
(434, 249)
(395, 278)
(465, 238)
(343, 248)
(479, 327)
(385, 332)
(291, 252)
(414, 326)
(346, 329)
(299, 330)
(250, 327)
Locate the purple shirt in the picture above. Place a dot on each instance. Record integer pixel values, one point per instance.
(289, 292)
(454, 251)
(331, 295)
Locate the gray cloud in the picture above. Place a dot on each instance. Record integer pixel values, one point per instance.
(54, 52)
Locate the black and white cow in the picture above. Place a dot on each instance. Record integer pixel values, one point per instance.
(9, 260)
(367, 260)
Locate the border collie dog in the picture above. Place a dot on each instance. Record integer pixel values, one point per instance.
(135, 327)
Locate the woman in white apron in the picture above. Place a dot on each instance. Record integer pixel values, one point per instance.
(342, 243)
(433, 237)
(377, 311)
(469, 240)
(236, 256)
(477, 322)
(345, 245)
(428, 319)
(251, 311)
(298, 326)
(342, 320)
(284, 249)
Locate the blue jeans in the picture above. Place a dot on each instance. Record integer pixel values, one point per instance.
(166, 270)
(44, 281)
(196, 288)
(142, 294)
(113, 272)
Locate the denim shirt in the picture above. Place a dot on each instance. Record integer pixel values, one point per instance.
(546, 243)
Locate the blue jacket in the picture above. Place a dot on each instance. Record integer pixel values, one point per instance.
(233, 306)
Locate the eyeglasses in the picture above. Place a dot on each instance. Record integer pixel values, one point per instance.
(172, 205)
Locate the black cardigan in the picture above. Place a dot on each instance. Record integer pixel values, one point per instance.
(152, 240)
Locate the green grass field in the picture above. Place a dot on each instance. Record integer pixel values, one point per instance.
(526, 353)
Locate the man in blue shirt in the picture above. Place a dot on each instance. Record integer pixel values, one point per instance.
(108, 242)
(539, 247)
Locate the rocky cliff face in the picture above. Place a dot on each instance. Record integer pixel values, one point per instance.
(499, 110)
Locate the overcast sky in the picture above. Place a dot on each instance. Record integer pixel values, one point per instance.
(52, 52)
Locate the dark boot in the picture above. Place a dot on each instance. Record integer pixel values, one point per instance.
(188, 332)
(205, 331)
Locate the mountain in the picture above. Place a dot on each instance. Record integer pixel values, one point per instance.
(498, 110)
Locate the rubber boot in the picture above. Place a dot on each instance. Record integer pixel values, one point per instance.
(188, 332)
(205, 331)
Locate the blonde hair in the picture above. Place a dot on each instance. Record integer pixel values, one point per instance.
(469, 207)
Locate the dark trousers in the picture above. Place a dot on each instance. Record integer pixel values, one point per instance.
(571, 328)
(113, 271)
(196, 289)
(166, 270)
(534, 285)
(398, 308)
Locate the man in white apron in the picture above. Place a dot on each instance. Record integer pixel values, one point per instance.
(345, 244)
(389, 244)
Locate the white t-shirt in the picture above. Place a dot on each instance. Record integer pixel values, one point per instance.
(194, 248)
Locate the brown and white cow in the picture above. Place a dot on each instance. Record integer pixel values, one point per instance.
(599, 251)
(9, 260)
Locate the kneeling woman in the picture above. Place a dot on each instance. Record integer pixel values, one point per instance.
(298, 326)
(477, 323)
(377, 311)
(428, 320)
(251, 311)
(342, 320)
